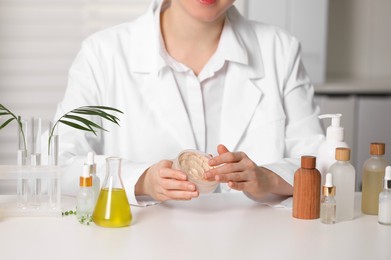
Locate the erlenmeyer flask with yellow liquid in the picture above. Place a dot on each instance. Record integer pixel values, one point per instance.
(112, 208)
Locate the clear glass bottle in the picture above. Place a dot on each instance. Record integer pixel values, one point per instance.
(112, 207)
(85, 198)
(385, 199)
(372, 179)
(344, 179)
(327, 203)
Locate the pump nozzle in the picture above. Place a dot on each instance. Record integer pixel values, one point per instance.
(334, 132)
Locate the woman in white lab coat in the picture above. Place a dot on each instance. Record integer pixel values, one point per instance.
(194, 74)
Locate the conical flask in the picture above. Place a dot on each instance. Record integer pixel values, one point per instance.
(112, 207)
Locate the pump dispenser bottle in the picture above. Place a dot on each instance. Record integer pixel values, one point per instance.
(344, 179)
(385, 199)
(306, 190)
(372, 179)
(85, 198)
(334, 139)
(95, 179)
(327, 203)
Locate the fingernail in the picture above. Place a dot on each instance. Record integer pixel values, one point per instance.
(191, 187)
(211, 162)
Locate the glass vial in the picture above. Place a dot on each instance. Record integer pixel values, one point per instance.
(327, 203)
(372, 179)
(306, 190)
(112, 207)
(85, 198)
(344, 178)
(22, 189)
(53, 185)
(385, 199)
(35, 159)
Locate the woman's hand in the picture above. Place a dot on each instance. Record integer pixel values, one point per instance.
(162, 183)
(241, 173)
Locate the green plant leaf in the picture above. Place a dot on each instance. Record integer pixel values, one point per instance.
(96, 112)
(86, 122)
(6, 123)
(74, 125)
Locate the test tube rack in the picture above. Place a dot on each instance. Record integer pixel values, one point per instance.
(28, 191)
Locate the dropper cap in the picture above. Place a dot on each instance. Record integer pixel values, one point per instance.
(328, 188)
(86, 178)
(387, 178)
(377, 149)
(91, 162)
(342, 154)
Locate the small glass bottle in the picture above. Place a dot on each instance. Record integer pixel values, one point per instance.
(344, 178)
(112, 208)
(306, 190)
(385, 199)
(372, 179)
(327, 203)
(85, 198)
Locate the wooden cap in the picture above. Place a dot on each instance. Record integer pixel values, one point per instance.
(342, 154)
(308, 162)
(377, 149)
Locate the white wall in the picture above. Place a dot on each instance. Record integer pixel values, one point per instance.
(359, 39)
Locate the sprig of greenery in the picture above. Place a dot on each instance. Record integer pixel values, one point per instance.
(85, 220)
(6, 112)
(74, 119)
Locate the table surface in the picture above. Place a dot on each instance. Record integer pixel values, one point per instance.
(216, 226)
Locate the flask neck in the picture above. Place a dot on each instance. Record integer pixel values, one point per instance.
(113, 178)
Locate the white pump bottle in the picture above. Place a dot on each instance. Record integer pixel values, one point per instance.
(334, 139)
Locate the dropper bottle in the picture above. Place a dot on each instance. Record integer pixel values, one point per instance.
(85, 198)
(385, 199)
(327, 203)
(92, 171)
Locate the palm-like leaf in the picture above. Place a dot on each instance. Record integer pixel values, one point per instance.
(11, 117)
(73, 119)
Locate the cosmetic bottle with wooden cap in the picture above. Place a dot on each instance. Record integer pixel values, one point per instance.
(306, 190)
(85, 197)
(344, 179)
(372, 178)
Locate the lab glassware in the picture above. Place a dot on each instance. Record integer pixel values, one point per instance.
(112, 208)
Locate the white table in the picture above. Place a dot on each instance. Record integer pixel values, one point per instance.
(217, 226)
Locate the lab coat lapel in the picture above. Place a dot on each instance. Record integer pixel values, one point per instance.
(160, 91)
(242, 92)
(241, 97)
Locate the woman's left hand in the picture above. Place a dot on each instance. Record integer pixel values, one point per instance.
(241, 173)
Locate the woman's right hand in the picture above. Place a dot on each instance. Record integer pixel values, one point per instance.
(162, 183)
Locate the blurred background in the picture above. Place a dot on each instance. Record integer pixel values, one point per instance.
(345, 45)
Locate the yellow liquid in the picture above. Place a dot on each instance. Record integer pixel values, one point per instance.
(372, 185)
(112, 209)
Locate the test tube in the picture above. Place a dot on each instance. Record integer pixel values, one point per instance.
(22, 183)
(53, 185)
(35, 158)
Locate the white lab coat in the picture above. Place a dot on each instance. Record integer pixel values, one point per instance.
(267, 108)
